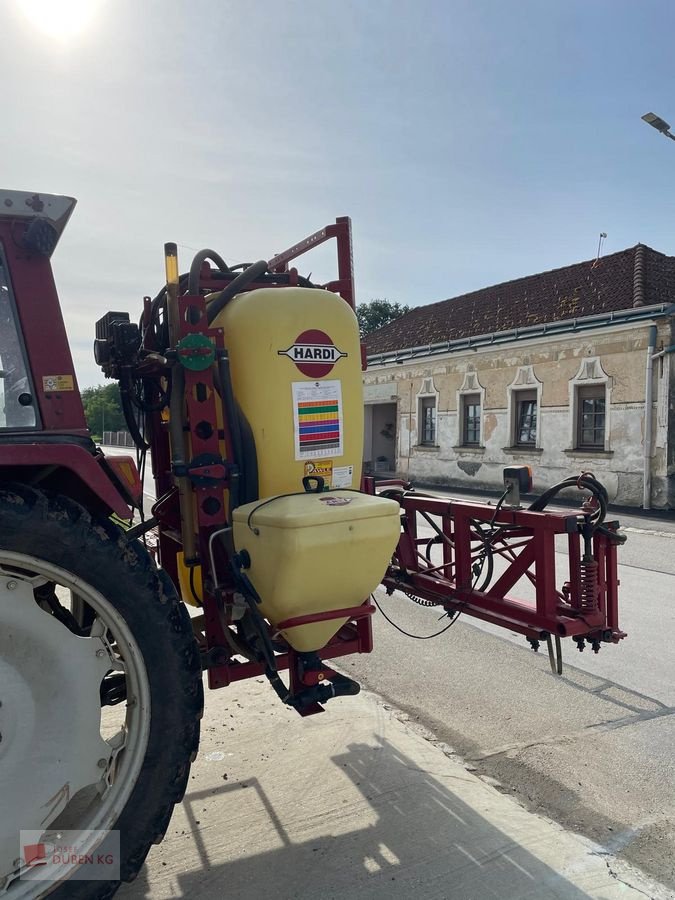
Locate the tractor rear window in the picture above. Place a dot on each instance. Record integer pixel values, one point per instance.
(16, 402)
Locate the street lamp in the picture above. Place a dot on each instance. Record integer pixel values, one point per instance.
(660, 124)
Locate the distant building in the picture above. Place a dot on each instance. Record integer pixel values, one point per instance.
(548, 370)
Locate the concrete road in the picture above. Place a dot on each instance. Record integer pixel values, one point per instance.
(357, 803)
(595, 749)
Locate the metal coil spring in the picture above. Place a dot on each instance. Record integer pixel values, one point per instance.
(588, 600)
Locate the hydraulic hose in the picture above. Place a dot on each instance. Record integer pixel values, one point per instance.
(159, 330)
(126, 397)
(243, 440)
(249, 486)
(220, 301)
(196, 268)
(585, 481)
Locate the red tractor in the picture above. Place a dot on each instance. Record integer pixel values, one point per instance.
(245, 385)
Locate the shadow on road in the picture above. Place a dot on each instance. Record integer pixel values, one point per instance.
(419, 839)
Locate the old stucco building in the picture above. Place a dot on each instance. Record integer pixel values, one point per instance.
(548, 370)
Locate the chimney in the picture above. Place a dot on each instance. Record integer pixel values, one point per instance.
(638, 276)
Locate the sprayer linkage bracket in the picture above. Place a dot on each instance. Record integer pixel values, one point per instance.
(204, 470)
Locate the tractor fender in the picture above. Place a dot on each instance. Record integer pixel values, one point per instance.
(67, 467)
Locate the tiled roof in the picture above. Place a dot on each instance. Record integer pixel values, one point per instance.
(614, 282)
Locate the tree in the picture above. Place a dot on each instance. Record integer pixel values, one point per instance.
(103, 409)
(376, 313)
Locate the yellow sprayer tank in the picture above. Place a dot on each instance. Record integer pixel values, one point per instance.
(314, 553)
(295, 358)
(295, 361)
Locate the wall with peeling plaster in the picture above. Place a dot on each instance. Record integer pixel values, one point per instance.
(612, 355)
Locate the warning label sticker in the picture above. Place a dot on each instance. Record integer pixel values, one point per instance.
(320, 469)
(343, 476)
(317, 419)
(58, 383)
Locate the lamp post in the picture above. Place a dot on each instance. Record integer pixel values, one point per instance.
(660, 124)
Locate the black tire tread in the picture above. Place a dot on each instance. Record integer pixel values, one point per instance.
(73, 531)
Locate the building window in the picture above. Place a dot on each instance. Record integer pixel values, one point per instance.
(591, 409)
(428, 420)
(525, 419)
(471, 419)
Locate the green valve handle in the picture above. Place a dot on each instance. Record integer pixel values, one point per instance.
(196, 352)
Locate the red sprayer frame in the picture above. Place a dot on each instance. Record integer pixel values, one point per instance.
(582, 603)
(213, 554)
(341, 231)
(521, 542)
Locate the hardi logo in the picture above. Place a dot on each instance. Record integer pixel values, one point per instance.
(313, 353)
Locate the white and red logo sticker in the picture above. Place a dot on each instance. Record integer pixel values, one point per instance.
(314, 353)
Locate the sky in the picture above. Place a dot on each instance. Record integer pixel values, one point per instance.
(471, 141)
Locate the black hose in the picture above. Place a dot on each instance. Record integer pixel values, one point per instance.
(278, 279)
(242, 281)
(244, 487)
(248, 491)
(145, 405)
(160, 331)
(126, 392)
(196, 268)
(585, 481)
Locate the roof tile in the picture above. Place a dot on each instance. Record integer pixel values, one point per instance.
(585, 288)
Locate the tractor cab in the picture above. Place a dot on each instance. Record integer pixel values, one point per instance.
(44, 438)
(32, 334)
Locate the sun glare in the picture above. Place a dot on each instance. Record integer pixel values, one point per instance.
(60, 19)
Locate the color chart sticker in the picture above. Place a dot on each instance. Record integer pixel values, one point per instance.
(317, 419)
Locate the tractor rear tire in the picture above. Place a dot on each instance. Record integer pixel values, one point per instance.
(49, 534)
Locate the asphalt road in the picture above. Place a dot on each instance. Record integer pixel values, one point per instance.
(593, 749)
